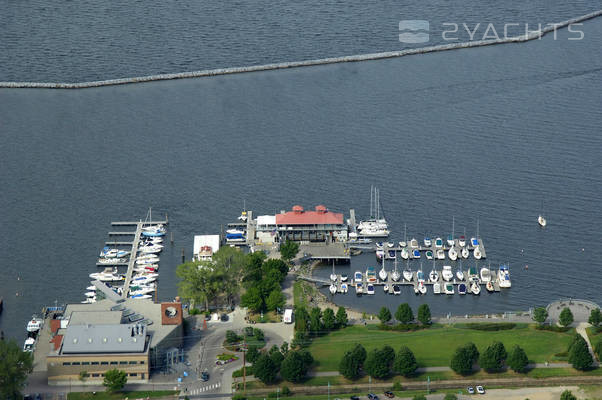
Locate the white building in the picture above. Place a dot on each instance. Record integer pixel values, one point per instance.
(204, 246)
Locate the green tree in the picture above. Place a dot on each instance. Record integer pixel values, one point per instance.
(253, 270)
(275, 300)
(359, 354)
(379, 362)
(300, 339)
(252, 354)
(15, 365)
(384, 315)
(518, 360)
(253, 299)
(232, 337)
(315, 320)
(196, 282)
(301, 319)
(115, 380)
(595, 317)
(566, 317)
(258, 334)
(349, 366)
(472, 351)
(328, 319)
(598, 349)
(276, 356)
(289, 250)
(461, 362)
(567, 395)
(264, 369)
(405, 362)
(294, 367)
(540, 314)
(404, 313)
(275, 265)
(492, 359)
(424, 314)
(341, 317)
(284, 348)
(83, 375)
(579, 355)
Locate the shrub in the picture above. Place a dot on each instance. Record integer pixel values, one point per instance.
(553, 328)
(397, 386)
(285, 391)
(598, 349)
(595, 317)
(232, 337)
(239, 396)
(402, 327)
(490, 326)
(194, 311)
(567, 395)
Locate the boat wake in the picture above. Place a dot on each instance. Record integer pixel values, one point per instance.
(296, 64)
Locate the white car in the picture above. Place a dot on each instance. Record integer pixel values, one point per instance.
(480, 390)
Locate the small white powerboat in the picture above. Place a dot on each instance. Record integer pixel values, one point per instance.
(447, 273)
(333, 288)
(440, 254)
(449, 288)
(437, 288)
(542, 221)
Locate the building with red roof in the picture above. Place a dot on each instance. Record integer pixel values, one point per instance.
(319, 224)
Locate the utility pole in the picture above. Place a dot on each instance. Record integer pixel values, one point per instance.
(244, 367)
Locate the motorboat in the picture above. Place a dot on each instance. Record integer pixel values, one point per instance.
(474, 242)
(147, 261)
(391, 255)
(374, 231)
(107, 275)
(89, 300)
(473, 275)
(404, 253)
(485, 275)
(396, 289)
(29, 344)
(433, 276)
(243, 215)
(416, 290)
(153, 231)
(141, 296)
(358, 277)
(542, 221)
(143, 257)
(407, 273)
(371, 275)
(462, 241)
(235, 237)
(450, 240)
(416, 253)
(359, 288)
(436, 288)
(395, 274)
(146, 274)
(386, 288)
(91, 287)
(380, 253)
(235, 231)
(465, 253)
(452, 254)
(390, 244)
(414, 243)
(504, 276)
(344, 278)
(150, 240)
(428, 242)
(344, 288)
(449, 288)
(141, 290)
(150, 249)
(370, 289)
(380, 245)
(429, 255)
(112, 261)
(421, 288)
(439, 243)
(447, 273)
(107, 252)
(475, 288)
(440, 254)
(333, 275)
(90, 294)
(477, 253)
(35, 324)
(332, 288)
(461, 288)
(489, 286)
(402, 244)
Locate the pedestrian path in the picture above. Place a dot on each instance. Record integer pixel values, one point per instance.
(203, 389)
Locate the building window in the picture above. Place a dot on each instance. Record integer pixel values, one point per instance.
(67, 363)
(133, 374)
(104, 363)
(113, 362)
(141, 362)
(94, 363)
(122, 362)
(133, 362)
(75, 363)
(85, 363)
(95, 375)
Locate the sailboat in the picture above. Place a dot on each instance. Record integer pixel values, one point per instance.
(375, 226)
(404, 243)
(450, 238)
(382, 274)
(465, 253)
(433, 275)
(477, 253)
(407, 273)
(396, 289)
(438, 243)
(395, 275)
(452, 254)
(332, 288)
(243, 214)
(475, 288)
(485, 275)
(462, 239)
(405, 254)
(333, 275)
(460, 273)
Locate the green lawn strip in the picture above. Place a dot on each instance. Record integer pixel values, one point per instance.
(119, 395)
(334, 395)
(435, 346)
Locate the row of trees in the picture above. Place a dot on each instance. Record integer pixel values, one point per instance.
(405, 315)
(493, 358)
(540, 314)
(292, 365)
(379, 363)
(317, 321)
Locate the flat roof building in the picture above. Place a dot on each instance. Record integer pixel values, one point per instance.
(319, 225)
(204, 246)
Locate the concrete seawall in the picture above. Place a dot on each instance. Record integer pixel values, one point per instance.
(295, 64)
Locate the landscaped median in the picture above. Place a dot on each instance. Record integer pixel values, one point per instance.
(122, 395)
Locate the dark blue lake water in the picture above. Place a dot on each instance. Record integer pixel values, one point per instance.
(486, 133)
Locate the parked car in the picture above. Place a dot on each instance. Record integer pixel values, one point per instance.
(470, 390)
(480, 390)
(372, 396)
(389, 394)
(224, 317)
(204, 376)
(354, 398)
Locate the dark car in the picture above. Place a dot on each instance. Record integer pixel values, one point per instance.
(37, 396)
(372, 396)
(204, 376)
(389, 394)
(354, 398)
(224, 317)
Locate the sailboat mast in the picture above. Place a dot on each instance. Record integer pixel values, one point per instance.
(371, 201)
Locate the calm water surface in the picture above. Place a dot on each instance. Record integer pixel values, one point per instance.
(483, 133)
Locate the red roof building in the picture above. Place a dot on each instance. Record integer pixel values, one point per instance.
(321, 216)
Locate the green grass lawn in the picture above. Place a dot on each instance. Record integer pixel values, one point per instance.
(435, 346)
(119, 395)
